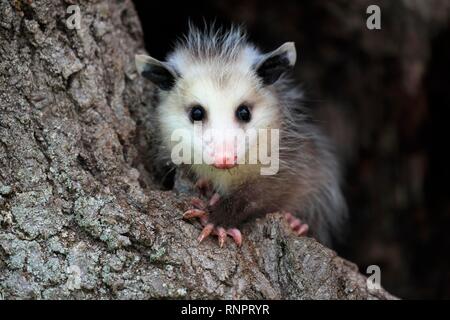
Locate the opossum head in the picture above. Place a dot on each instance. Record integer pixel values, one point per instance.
(217, 82)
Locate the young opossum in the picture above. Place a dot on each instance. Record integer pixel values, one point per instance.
(219, 80)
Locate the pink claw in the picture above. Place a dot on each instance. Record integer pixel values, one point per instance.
(296, 224)
(302, 230)
(206, 232)
(222, 234)
(194, 213)
(236, 235)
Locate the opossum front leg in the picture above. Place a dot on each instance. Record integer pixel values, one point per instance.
(208, 227)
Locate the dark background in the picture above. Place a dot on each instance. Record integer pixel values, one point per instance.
(383, 96)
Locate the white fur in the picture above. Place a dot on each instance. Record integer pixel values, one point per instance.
(220, 89)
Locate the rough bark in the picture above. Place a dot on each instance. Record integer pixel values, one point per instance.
(75, 197)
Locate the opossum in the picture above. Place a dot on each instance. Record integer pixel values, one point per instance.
(217, 78)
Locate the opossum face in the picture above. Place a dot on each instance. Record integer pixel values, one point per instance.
(217, 104)
(217, 109)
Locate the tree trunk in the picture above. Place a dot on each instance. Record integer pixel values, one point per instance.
(79, 216)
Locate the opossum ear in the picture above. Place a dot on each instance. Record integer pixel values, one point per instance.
(156, 71)
(273, 64)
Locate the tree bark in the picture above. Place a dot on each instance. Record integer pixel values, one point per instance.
(79, 216)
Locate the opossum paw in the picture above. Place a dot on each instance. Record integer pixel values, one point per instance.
(221, 233)
(210, 228)
(299, 228)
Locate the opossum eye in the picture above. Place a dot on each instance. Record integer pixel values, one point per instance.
(243, 113)
(197, 113)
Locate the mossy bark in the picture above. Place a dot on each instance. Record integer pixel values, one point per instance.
(79, 217)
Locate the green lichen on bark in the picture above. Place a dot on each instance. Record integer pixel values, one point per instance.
(79, 218)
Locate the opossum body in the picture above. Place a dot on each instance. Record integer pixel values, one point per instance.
(217, 78)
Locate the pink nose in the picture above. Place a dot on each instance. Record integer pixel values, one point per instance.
(225, 161)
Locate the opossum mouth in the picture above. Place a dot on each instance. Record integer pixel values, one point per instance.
(224, 166)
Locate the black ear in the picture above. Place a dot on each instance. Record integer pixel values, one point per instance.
(273, 64)
(156, 71)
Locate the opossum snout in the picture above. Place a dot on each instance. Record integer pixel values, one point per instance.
(224, 156)
(225, 160)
